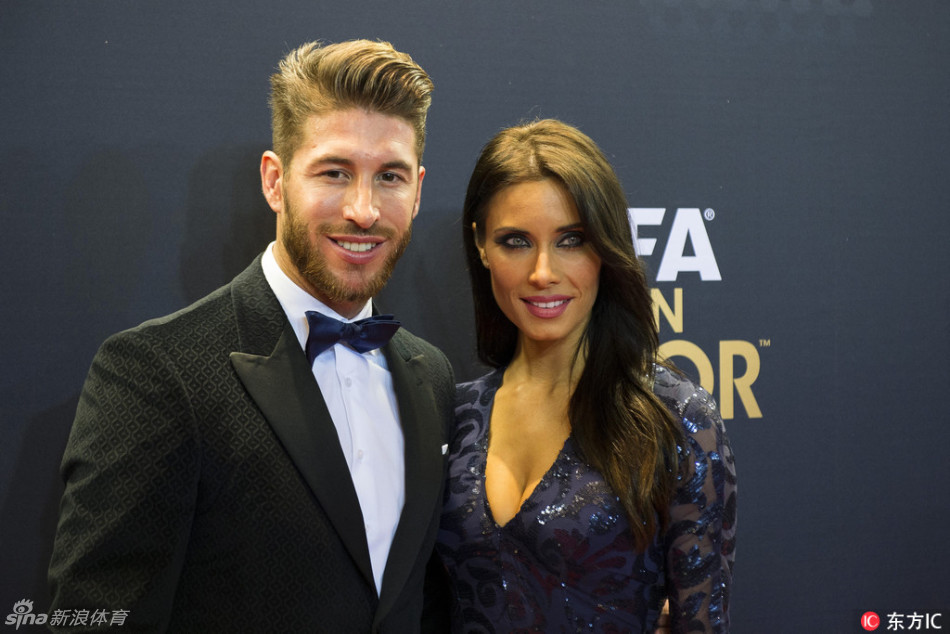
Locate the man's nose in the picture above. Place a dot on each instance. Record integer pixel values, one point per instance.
(360, 206)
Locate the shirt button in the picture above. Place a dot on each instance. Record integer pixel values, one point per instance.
(359, 454)
(348, 381)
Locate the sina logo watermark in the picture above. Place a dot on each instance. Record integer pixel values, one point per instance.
(23, 615)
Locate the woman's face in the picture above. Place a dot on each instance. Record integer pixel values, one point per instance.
(544, 273)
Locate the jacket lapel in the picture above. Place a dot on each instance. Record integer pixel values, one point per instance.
(279, 381)
(422, 431)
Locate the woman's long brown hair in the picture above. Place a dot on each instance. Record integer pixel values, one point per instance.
(619, 425)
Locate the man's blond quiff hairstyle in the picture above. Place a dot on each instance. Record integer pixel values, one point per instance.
(317, 79)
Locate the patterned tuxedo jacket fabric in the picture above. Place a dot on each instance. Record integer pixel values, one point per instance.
(206, 490)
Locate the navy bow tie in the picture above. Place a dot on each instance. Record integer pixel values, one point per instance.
(362, 335)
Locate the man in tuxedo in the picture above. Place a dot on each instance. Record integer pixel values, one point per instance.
(271, 458)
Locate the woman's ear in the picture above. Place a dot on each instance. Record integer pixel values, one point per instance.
(480, 246)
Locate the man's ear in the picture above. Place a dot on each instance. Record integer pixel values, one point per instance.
(272, 176)
(415, 209)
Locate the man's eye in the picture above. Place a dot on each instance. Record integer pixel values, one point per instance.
(390, 177)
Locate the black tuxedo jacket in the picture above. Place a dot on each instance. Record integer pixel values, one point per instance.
(206, 490)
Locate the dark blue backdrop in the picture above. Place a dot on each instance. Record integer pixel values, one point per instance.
(810, 136)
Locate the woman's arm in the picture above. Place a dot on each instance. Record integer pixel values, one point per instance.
(700, 542)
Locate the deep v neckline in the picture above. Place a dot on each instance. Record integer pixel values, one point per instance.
(545, 477)
(543, 480)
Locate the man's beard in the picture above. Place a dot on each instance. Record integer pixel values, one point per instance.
(311, 262)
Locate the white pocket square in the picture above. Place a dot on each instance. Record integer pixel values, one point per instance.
(445, 449)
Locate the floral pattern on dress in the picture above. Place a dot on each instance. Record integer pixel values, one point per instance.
(567, 562)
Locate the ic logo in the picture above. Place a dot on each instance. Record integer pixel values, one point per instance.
(870, 621)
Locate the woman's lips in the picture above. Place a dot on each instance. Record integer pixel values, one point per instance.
(546, 307)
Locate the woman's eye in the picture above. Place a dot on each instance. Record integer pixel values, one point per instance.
(514, 241)
(572, 240)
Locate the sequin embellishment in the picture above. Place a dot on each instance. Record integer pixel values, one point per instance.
(566, 562)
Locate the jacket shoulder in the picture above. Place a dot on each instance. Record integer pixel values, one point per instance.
(243, 314)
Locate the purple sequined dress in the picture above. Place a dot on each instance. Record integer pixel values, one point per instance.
(566, 562)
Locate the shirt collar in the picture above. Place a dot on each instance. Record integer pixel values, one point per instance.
(296, 302)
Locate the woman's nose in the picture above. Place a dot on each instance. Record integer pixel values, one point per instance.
(543, 274)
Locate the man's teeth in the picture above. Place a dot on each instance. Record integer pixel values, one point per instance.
(357, 247)
(549, 304)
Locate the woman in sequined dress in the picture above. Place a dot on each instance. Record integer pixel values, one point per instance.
(588, 483)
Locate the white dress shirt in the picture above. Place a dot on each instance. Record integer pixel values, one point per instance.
(358, 390)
